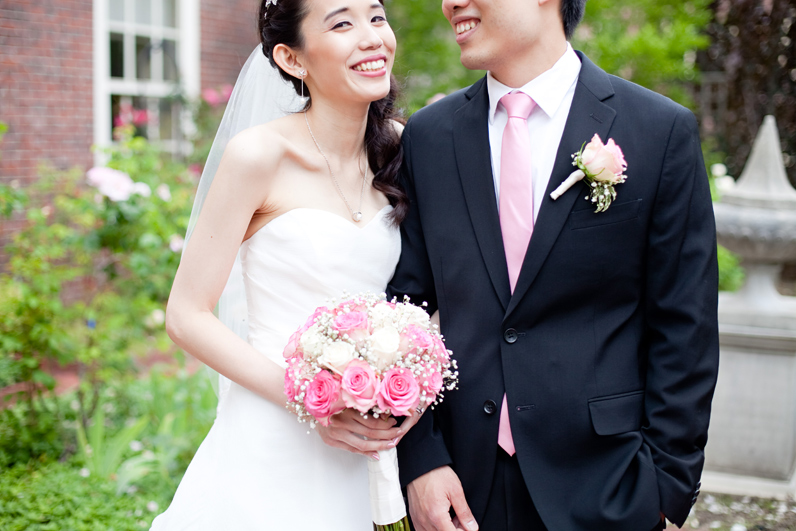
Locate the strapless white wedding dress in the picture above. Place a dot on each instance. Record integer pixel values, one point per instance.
(258, 468)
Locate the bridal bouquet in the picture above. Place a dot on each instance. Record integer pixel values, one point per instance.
(378, 357)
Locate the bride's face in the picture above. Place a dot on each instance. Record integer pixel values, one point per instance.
(348, 51)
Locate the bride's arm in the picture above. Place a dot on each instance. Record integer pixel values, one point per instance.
(238, 190)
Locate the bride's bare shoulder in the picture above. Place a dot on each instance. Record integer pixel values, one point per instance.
(259, 147)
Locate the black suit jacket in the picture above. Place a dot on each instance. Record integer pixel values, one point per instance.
(608, 348)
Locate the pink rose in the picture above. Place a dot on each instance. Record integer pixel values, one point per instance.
(351, 305)
(295, 339)
(440, 350)
(292, 371)
(419, 338)
(399, 392)
(604, 162)
(433, 381)
(292, 344)
(360, 386)
(323, 397)
(348, 322)
(312, 318)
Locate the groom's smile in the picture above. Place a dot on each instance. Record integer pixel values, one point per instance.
(464, 26)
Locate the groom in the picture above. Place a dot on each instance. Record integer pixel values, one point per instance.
(587, 342)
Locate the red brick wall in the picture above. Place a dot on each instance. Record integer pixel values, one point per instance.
(229, 34)
(45, 88)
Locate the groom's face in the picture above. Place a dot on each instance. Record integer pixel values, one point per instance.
(492, 32)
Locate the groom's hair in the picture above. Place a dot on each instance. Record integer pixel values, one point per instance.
(572, 13)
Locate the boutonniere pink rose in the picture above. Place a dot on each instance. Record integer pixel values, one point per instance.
(602, 166)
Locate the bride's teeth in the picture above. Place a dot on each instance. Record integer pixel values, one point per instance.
(370, 66)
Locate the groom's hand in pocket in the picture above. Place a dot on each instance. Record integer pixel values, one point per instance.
(432, 495)
(349, 430)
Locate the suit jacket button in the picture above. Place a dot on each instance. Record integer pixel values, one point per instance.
(490, 407)
(510, 336)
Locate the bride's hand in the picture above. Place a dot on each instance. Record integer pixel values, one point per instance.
(348, 430)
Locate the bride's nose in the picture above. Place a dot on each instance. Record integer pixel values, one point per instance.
(371, 40)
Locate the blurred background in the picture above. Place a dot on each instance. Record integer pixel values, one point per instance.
(107, 112)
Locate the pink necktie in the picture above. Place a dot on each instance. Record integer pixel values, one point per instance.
(516, 208)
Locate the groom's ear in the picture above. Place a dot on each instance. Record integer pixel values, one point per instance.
(288, 60)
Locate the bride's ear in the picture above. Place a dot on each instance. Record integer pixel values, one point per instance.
(288, 60)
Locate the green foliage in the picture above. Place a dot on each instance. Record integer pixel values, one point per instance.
(731, 274)
(57, 497)
(650, 42)
(31, 431)
(116, 482)
(181, 410)
(427, 60)
(102, 453)
(11, 197)
(119, 257)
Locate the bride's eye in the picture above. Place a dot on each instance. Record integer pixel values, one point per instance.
(342, 24)
(379, 19)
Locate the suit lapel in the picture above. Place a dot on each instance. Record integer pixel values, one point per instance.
(471, 144)
(587, 116)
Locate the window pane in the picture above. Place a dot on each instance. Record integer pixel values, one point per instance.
(170, 13)
(143, 57)
(143, 11)
(116, 10)
(116, 119)
(167, 109)
(117, 55)
(170, 72)
(140, 115)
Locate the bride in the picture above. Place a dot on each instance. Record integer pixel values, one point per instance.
(309, 206)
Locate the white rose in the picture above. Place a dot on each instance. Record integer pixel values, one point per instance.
(384, 343)
(381, 315)
(312, 342)
(416, 316)
(336, 356)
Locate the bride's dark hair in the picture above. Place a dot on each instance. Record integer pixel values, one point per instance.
(280, 23)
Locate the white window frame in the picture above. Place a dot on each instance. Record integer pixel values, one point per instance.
(187, 36)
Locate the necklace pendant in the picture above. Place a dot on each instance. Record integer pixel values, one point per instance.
(357, 216)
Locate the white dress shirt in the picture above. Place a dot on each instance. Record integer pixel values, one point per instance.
(552, 91)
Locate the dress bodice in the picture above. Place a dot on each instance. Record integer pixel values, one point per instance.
(305, 258)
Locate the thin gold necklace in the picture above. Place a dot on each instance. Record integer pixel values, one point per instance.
(356, 216)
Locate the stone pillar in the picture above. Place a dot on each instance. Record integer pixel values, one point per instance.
(753, 423)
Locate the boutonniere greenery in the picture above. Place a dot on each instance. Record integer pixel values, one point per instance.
(601, 167)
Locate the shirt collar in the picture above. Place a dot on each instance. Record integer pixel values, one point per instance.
(547, 89)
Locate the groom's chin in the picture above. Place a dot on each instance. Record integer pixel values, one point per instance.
(472, 61)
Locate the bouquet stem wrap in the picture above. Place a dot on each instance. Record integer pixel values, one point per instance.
(386, 499)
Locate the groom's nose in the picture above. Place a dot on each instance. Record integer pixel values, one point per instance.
(450, 7)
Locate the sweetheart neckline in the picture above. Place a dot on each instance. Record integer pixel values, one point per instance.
(372, 221)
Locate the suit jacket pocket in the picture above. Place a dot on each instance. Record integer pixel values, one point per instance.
(616, 213)
(611, 415)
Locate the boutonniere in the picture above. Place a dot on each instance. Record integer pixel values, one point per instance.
(602, 166)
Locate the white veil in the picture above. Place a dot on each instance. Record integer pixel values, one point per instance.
(260, 95)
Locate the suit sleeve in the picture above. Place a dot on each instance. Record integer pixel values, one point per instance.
(422, 449)
(681, 318)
